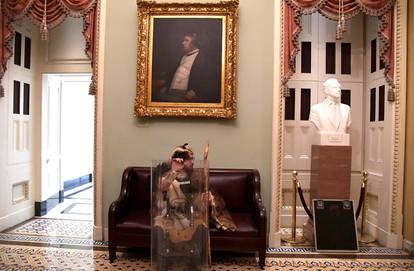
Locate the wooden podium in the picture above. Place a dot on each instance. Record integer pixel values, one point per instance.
(330, 177)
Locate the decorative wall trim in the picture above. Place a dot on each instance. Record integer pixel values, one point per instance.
(16, 217)
(280, 108)
(105, 234)
(98, 118)
(399, 116)
(408, 245)
(72, 61)
(42, 207)
(98, 233)
(276, 174)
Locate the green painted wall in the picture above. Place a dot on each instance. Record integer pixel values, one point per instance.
(241, 143)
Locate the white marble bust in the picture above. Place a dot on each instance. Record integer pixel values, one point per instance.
(330, 116)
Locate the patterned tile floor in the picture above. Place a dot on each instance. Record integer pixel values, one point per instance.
(55, 227)
(47, 258)
(34, 251)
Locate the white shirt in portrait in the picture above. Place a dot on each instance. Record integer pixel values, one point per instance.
(182, 74)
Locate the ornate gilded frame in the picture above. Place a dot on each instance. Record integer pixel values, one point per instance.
(228, 13)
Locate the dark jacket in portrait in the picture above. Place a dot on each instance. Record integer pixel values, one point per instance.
(204, 79)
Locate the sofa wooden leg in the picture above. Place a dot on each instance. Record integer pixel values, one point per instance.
(262, 257)
(112, 252)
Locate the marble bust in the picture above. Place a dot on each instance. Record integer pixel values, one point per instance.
(331, 116)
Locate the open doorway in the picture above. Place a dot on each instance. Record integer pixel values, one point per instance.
(67, 147)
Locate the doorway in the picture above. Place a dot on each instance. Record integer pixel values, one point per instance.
(67, 133)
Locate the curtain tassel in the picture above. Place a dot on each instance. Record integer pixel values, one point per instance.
(44, 32)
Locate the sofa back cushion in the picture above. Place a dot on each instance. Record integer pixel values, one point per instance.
(235, 186)
(140, 180)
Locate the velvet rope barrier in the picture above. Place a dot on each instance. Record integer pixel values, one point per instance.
(361, 200)
(302, 200)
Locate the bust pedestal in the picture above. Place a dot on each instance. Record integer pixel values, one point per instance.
(332, 139)
(330, 172)
(330, 176)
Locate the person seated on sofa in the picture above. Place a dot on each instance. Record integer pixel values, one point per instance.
(177, 181)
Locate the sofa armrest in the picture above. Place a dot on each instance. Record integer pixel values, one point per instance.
(119, 207)
(258, 207)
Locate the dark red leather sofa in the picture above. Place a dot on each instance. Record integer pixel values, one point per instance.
(129, 216)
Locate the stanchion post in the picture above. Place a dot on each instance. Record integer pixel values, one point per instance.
(365, 238)
(293, 239)
(294, 188)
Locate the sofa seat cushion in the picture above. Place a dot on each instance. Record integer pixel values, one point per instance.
(245, 227)
(136, 222)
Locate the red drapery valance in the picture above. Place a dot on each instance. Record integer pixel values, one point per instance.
(383, 9)
(56, 12)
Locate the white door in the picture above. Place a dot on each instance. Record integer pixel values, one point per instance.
(297, 127)
(51, 106)
(77, 127)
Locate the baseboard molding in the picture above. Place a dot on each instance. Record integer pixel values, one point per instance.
(105, 234)
(42, 207)
(389, 240)
(70, 184)
(97, 233)
(383, 237)
(17, 217)
(274, 239)
(408, 245)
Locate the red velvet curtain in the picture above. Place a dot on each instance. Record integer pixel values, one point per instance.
(293, 9)
(386, 34)
(56, 12)
(6, 49)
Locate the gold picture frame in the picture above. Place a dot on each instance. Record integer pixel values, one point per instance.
(187, 59)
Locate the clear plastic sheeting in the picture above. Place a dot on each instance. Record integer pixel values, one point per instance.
(179, 217)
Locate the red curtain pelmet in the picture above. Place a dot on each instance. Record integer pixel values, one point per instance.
(293, 9)
(56, 12)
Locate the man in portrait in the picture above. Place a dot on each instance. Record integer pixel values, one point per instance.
(195, 78)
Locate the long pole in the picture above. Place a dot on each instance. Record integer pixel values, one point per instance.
(206, 190)
(365, 238)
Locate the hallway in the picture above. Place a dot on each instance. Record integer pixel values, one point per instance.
(77, 204)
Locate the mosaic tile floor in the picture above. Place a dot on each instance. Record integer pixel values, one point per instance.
(46, 258)
(55, 227)
(34, 250)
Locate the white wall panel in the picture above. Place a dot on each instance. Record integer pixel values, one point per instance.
(67, 43)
